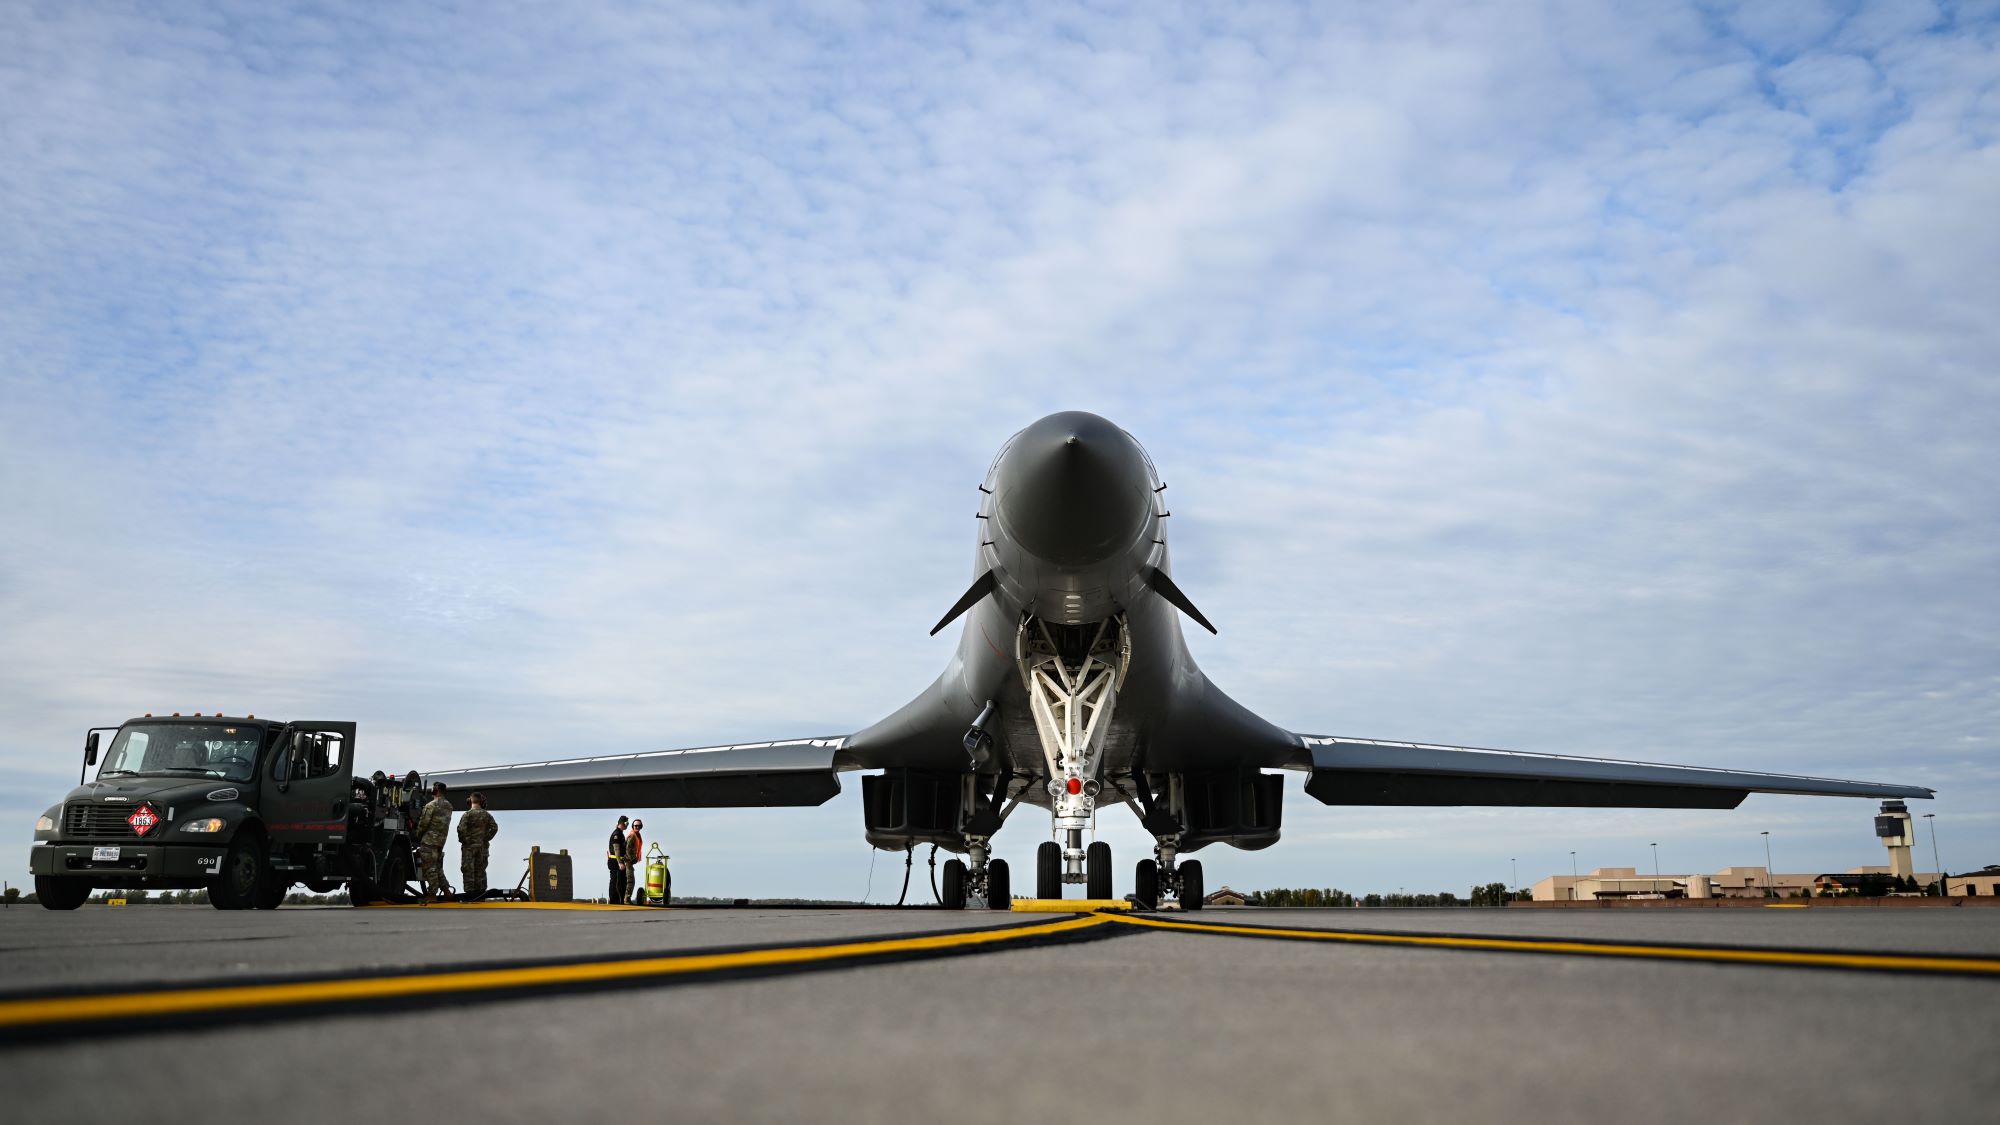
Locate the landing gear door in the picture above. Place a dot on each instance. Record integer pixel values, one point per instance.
(311, 773)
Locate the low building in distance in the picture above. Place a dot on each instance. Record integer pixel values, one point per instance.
(1730, 882)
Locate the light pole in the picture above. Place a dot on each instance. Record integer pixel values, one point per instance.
(1656, 866)
(1572, 874)
(1516, 864)
(1944, 888)
(1770, 890)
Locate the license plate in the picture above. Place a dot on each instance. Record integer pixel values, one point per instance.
(99, 855)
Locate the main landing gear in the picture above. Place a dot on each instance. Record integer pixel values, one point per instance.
(1165, 874)
(1184, 880)
(1072, 674)
(983, 878)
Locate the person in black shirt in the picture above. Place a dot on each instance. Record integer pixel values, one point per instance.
(618, 862)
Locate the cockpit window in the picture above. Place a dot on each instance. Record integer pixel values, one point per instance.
(184, 750)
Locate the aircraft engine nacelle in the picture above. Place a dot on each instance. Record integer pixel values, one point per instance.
(1242, 808)
(905, 807)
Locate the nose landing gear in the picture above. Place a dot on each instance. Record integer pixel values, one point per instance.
(1072, 674)
(1096, 875)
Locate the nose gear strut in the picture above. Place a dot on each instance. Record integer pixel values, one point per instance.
(1072, 674)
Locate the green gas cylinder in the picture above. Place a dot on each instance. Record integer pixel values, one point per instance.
(659, 885)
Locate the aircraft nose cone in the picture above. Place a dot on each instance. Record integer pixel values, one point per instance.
(1072, 489)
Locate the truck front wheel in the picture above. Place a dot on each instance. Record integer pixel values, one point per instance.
(56, 893)
(270, 894)
(246, 872)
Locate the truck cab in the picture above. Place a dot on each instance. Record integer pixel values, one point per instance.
(240, 806)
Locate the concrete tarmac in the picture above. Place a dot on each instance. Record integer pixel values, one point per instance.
(1146, 1025)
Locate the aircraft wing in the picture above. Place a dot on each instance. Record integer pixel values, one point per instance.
(1362, 771)
(796, 773)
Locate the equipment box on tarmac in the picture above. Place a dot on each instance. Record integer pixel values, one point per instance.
(549, 876)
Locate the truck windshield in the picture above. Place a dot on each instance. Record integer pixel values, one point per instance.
(184, 750)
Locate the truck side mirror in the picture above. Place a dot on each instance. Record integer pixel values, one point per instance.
(90, 749)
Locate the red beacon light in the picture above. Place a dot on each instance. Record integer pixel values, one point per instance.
(1075, 786)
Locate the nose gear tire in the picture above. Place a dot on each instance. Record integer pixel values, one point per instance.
(1097, 868)
(1146, 884)
(999, 886)
(1048, 870)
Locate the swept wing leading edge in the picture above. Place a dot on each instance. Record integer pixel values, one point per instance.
(1360, 771)
(795, 773)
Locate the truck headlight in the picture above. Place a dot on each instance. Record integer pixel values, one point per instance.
(46, 824)
(205, 824)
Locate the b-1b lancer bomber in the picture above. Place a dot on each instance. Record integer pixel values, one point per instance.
(1073, 688)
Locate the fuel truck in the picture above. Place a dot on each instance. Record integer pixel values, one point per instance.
(245, 808)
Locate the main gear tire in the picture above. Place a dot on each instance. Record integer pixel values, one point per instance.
(1097, 870)
(1048, 870)
(999, 886)
(953, 894)
(57, 893)
(1191, 888)
(1146, 885)
(245, 871)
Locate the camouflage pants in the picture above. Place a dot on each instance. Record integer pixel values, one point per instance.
(472, 870)
(431, 861)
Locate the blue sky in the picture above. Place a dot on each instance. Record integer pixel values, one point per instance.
(525, 381)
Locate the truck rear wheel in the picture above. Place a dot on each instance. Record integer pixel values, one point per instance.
(245, 872)
(57, 893)
(396, 878)
(360, 877)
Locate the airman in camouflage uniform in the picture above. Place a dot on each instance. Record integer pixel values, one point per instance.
(433, 828)
(476, 830)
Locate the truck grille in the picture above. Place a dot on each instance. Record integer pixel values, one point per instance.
(106, 822)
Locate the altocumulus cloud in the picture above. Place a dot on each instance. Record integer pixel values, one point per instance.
(544, 381)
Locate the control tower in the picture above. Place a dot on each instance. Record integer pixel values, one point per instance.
(1898, 833)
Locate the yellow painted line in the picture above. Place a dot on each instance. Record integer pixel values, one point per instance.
(182, 1001)
(1068, 905)
(1784, 906)
(1908, 962)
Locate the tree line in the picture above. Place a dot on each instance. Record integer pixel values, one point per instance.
(1492, 894)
